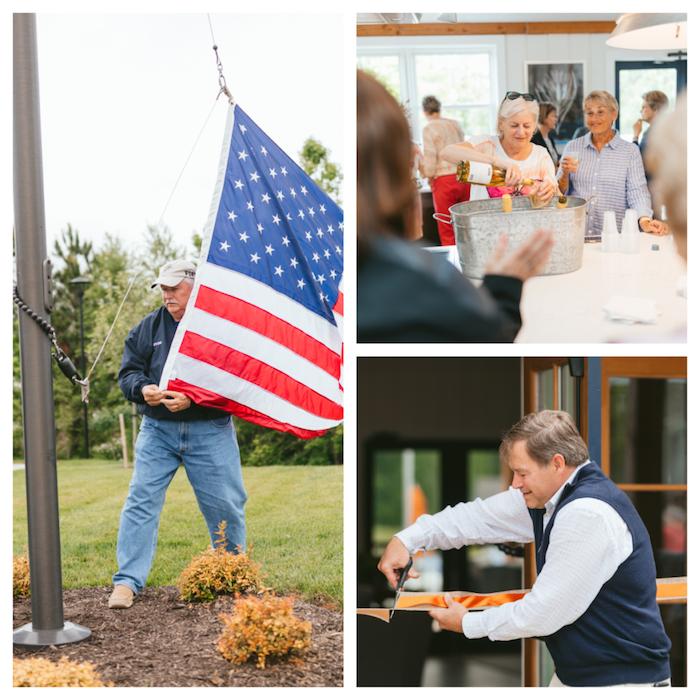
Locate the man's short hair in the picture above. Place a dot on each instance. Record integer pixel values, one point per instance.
(547, 433)
(656, 100)
(431, 104)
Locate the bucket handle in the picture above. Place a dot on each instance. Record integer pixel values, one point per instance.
(593, 197)
(437, 216)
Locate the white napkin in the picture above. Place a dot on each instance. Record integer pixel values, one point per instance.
(682, 286)
(632, 310)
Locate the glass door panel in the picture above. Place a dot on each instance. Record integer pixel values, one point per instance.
(406, 485)
(490, 568)
(544, 397)
(568, 398)
(633, 84)
(644, 434)
(648, 430)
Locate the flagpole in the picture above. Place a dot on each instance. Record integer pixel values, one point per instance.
(33, 286)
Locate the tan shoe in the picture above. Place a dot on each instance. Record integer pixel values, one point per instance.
(122, 597)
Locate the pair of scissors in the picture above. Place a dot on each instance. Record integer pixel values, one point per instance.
(402, 580)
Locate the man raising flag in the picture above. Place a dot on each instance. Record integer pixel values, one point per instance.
(256, 333)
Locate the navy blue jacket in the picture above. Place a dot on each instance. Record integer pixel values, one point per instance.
(620, 638)
(145, 351)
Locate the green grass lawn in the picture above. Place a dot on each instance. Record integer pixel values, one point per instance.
(294, 517)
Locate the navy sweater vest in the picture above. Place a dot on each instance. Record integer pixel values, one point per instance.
(620, 638)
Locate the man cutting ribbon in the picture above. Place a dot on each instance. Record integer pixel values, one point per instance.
(594, 600)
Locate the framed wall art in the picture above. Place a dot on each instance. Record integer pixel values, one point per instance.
(560, 84)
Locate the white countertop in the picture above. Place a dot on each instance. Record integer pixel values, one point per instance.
(569, 308)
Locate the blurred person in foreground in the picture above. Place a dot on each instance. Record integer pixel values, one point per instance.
(510, 148)
(405, 294)
(594, 600)
(439, 133)
(607, 166)
(667, 158)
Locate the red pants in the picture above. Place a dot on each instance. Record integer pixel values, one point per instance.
(447, 190)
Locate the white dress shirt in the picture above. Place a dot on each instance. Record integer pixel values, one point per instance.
(587, 545)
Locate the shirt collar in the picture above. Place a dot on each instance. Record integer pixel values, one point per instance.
(613, 143)
(551, 504)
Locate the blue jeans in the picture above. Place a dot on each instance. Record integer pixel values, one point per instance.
(209, 451)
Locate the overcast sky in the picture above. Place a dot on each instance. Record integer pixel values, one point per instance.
(125, 96)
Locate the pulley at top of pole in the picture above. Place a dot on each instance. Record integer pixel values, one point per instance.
(222, 81)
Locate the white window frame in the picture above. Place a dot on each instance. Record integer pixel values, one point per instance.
(407, 48)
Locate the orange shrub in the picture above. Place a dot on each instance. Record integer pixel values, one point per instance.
(217, 571)
(20, 575)
(262, 627)
(36, 672)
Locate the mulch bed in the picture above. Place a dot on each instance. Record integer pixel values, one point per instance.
(161, 641)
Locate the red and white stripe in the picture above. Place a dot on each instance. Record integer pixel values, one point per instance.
(254, 352)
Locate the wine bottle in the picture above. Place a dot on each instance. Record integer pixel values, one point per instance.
(484, 174)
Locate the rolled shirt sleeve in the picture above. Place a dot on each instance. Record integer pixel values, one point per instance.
(500, 518)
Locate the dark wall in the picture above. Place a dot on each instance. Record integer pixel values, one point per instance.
(437, 398)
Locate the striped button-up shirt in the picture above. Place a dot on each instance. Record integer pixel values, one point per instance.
(615, 176)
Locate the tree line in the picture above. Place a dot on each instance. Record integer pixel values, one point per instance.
(109, 270)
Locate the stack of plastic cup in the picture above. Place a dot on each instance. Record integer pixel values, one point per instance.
(630, 240)
(611, 236)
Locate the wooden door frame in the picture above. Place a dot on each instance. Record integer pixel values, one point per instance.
(531, 366)
(636, 368)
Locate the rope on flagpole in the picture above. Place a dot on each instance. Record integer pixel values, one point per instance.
(222, 88)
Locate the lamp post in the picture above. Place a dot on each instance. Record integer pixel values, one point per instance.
(80, 283)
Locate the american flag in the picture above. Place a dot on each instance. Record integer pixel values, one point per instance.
(262, 336)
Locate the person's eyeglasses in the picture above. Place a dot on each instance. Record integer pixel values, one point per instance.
(525, 95)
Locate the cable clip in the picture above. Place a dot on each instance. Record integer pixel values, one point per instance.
(84, 389)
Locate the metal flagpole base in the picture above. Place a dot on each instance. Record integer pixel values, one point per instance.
(27, 636)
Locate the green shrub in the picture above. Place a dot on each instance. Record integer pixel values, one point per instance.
(262, 627)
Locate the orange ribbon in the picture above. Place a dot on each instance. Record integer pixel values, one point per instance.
(470, 601)
(672, 590)
(663, 590)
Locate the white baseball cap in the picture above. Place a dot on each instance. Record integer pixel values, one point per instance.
(172, 273)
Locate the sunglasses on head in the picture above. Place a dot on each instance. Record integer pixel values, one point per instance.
(525, 95)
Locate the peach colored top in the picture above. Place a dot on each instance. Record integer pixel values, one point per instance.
(438, 134)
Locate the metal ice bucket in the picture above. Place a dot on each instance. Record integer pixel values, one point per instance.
(479, 225)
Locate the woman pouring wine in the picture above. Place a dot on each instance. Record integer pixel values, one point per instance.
(511, 150)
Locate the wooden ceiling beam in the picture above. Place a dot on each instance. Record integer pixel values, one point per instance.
(472, 29)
